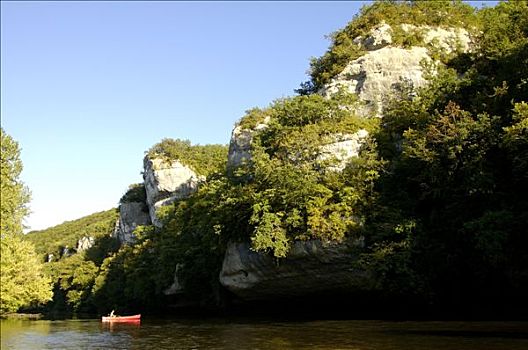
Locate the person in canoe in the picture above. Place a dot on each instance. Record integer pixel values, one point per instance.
(112, 317)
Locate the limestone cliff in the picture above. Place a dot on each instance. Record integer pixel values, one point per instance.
(240, 144)
(166, 181)
(374, 77)
(131, 215)
(379, 73)
(311, 267)
(345, 147)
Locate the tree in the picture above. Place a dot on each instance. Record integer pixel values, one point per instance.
(15, 195)
(22, 281)
(457, 167)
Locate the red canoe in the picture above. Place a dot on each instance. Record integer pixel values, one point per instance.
(133, 318)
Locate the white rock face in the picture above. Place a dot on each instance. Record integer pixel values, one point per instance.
(240, 144)
(345, 147)
(131, 215)
(373, 77)
(446, 39)
(85, 243)
(377, 75)
(379, 37)
(311, 267)
(166, 182)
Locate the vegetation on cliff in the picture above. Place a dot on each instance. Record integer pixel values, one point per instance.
(135, 193)
(451, 218)
(291, 194)
(418, 13)
(203, 159)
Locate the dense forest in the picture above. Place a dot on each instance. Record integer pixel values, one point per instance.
(437, 193)
(73, 269)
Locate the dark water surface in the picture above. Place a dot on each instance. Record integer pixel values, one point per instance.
(264, 334)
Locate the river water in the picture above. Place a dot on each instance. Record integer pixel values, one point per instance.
(263, 334)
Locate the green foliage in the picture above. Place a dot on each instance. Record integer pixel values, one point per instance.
(135, 193)
(457, 168)
(454, 142)
(125, 280)
(204, 160)
(14, 194)
(516, 140)
(253, 117)
(407, 39)
(269, 235)
(73, 278)
(292, 196)
(195, 234)
(419, 13)
(52, 240)
(23, 282)
(503, 29)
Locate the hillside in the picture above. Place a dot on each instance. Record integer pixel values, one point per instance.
(53, 240)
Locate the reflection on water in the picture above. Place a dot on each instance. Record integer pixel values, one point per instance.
(263, 334)
(120, 327)
(70, 334)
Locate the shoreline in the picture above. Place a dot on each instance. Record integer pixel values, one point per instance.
(22, 316)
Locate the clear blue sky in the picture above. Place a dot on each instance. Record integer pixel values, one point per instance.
(88, 87)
